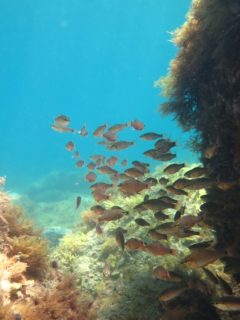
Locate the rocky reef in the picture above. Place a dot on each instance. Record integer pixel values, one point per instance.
(202, 91)
(123, 285)
(31, 286)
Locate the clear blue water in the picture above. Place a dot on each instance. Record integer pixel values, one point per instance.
(93, 60)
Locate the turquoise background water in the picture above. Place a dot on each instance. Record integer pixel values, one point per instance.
(93, 60)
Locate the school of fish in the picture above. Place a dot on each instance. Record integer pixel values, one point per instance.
(137, 179)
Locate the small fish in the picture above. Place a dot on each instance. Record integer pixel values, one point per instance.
(137, 125)
(134, 244)
(133, 172)
(201, 258)
(157, 249)
(176, 191)
(91, 166)
(168, 199)
(142, 222)
(78, 202)
(142, 166)
(181, 183)
(121, 145)
(199, 183)
(83, 131)
(146, 197)
(111, 137)
(151, 181)
(195, 172)
(204, 244)
(150, 136)
(91, 176)
(101, 186)
(117, 127)
(112, 161)
(158, 155)
(124, 163)
(189, 221)
(132, 186)
(70, 146)
(97, 209)
(166, 275)
(171, 293)
(119, 236)
(160, 215)
(163, 181)
(211, 151)
(106, 170)
(76, 154)
(99, 229)
(224, 285)
(226, 185)
(62, 121)
(99, 131)
(96, 157)
(176, 313)
(79, 163)
(228, 304)
(173, 168)
(164, 145)
(111, 215)
(211, 276)
(179, 213)
(100, 196)
(62, 129)
(157, 204)
(155, 235)
(106, 270)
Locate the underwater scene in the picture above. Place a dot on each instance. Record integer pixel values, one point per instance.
(120, 162)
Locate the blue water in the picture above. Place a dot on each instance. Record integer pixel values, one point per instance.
(93, 60)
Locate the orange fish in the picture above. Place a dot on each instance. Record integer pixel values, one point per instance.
(79, 163)
(150, 136)
(99, 131)
(124, 163)
(91, 176)
(100, 196)
(62, 129)
(83, 131)
(157, 249)
(117, 127)
(166, 275)
(91, 166)
(106, 170)
(121, 145)
(62, 121)
(134, 172)
(99, 230)
(101, 186)
(110, 215)
(132, 186)
(134, 244)
(112, 161)
(98, 209)
(70, 146)
(110, 136)
(137, 125)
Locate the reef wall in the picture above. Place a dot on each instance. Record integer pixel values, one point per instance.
(202, 88)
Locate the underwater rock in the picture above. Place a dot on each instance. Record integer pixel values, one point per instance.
(54, 234)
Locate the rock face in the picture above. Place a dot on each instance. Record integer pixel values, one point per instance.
(203, 92)
(54, 234)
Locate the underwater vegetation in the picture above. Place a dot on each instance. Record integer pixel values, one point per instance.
(127, 280)
(202, 91)
(30, 286)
